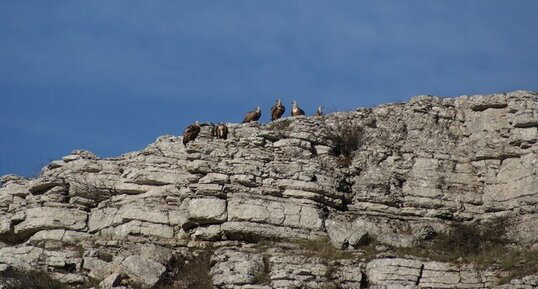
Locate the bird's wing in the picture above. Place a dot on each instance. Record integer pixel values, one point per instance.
(250, 116)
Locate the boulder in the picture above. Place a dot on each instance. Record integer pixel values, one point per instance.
(143, 270)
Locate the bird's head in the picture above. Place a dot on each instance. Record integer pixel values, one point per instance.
(258, 109)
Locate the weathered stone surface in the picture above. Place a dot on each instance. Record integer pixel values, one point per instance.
(143, 270)
(396, 271)
(156, 253)
(420, 167)
(207, 210)
(25, 257)
(111, 281)
(45, 218)
(236, 268)
(287, 271)
(272, 211)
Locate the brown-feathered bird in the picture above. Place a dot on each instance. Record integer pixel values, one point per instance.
(295, 110)
(222, 131)
(277, 110)
(253, 115)
(191, 132)
(319, 112)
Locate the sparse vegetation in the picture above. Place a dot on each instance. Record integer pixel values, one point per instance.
(93, 189)
(263, 275)
(346, 137)
(467, 243)
(483, 245)
(518, 264)
(17, 279)
(369, 247)
(192, 273)
(322, 248)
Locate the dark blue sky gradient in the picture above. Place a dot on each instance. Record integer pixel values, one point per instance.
(111, 76)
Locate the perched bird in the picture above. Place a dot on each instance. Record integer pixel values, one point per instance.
(191, 132)
(319, 112)
(277, 110)
(222, 131)
(253, 115)
(295, 110)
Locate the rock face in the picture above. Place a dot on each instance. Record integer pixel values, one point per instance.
(418, 168)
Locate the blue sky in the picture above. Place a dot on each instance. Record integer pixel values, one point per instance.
(112, 76)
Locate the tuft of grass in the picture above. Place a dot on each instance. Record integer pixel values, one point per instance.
(518, 263)
(321, 248)
(263, 275)
(469, 243)
(17, 279)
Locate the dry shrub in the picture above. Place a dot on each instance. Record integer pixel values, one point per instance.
(346, 138)
(192, 274)
(471, 242)
(92, 189)
(468, 243)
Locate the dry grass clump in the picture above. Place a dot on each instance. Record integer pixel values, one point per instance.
(263, 275)
(518, 263)
(468, 243)
(321, 248)
(17, 279)
(482, 245)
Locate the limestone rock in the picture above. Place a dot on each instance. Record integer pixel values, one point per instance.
(43, 218)
(111, 281)
(236, 268)
(207, 210)
(143, 270)
(394, 272)
(256, 198)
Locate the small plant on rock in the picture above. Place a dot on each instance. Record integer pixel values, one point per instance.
(322, 248)
(346, 138)
(192, 273)
(263, 275)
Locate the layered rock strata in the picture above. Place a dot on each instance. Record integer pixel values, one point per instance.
(419, 167)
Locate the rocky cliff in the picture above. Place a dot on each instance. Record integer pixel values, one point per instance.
(361, 199)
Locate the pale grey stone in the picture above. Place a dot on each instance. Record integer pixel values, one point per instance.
(235, 268)
(45, 218)
(207, 210)
(156, 253)
(214, 178)
(111, 281)
(209, 233)
(393, 271)
(143, 270)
